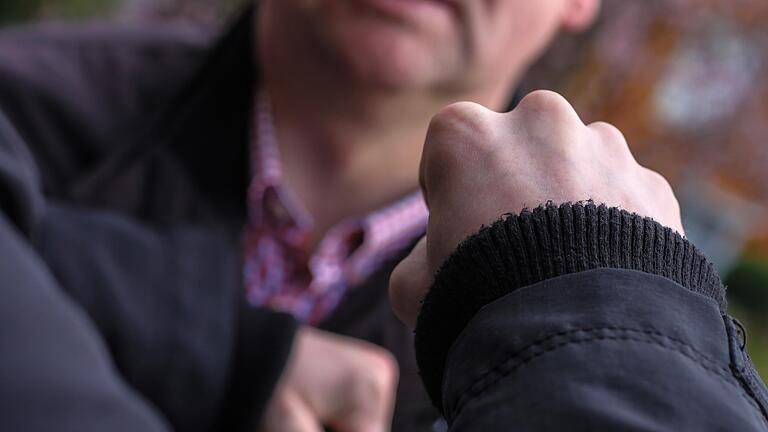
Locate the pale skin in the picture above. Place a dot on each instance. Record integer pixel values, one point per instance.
(539, 152)
(338, 382)
(354, 85)
(351, 131)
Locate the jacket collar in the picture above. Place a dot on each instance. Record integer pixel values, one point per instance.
(191, 159)
(210, 124)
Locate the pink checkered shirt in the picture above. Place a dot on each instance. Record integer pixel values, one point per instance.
(279, 270)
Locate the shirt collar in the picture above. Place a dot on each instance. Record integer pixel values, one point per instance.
(384, 231)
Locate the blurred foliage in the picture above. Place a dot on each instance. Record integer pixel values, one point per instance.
(76, 8)
(747, 286)
(18, 10)
(27, 10)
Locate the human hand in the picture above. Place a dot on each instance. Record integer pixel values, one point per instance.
(334, 381)
(478, 165)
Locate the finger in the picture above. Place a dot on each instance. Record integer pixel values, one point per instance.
(367, 419)
(665, 196)
(547, 107)
(612, 139)
(289, 413)
(348, 384)
(367, 392)
(409, 283)
(459, 132)
(370, 407)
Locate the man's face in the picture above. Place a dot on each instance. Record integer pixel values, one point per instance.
(449, 44)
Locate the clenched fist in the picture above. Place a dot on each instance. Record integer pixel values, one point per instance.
(478, 165)
(335, 381)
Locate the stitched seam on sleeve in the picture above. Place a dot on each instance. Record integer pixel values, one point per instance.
(528, 353)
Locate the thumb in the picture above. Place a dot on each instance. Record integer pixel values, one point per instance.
(409, 283)
(366, 419)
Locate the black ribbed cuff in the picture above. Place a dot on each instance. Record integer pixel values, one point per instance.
(550, 241)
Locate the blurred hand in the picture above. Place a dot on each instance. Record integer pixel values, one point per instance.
(478, 165)
(343, 383)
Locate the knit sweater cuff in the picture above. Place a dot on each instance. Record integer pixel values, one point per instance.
(550, 241)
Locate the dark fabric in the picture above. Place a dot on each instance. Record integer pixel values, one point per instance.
(166, 301)
(255, 375)
(55, 372)
(190, 159)
(605, 349)
(113, 212)
(141, 137)
(92, 87)
(365, 313)
(549, 241)
(19, 180)
(582, 317)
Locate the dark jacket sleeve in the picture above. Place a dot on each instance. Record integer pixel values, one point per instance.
(170, 306)
(582, 317)
(111, 324)
(55, 371)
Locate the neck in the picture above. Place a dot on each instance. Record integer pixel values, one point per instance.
(347, 148)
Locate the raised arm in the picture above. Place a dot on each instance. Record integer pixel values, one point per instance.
(588, 312)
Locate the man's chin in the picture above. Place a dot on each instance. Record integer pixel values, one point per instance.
(394, 77)
(392, 64)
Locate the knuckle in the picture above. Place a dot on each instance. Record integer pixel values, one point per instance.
(547, 103)
(611, 137)
(661, 187)
(664, 196)
(459, 112)
(459, 133)
(380, 376)
(550, 124)
(659, 181)
(609, 131)
(463, 123)
(389, 370)
(384, 364)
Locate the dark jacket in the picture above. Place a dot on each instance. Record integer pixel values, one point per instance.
(583, 317)
(123, 197)
(140, 143)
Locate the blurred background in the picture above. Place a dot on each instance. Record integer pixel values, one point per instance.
(683, 79)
